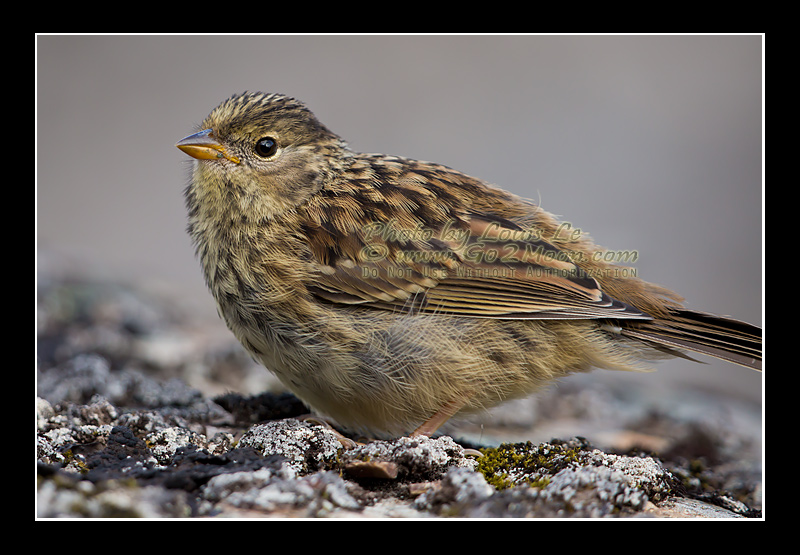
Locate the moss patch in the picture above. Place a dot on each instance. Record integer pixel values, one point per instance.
(511, 464)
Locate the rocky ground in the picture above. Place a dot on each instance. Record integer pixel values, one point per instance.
(142, 413)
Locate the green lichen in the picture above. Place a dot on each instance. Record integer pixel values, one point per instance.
(540, 483)
(511, 464)
(70, 459)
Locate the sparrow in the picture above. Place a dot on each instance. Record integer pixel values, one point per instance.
(392, 294)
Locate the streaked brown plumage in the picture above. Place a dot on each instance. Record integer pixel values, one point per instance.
(391, 294)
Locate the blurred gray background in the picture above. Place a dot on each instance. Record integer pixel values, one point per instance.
(650, 143)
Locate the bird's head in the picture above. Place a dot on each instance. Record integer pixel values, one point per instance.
(266, 152)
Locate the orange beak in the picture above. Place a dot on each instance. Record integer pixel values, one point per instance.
(204, 146)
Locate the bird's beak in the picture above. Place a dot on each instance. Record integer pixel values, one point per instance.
(204, 146)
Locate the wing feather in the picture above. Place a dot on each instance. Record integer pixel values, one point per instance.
(488, 272)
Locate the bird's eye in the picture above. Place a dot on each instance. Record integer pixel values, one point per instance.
(266, 147)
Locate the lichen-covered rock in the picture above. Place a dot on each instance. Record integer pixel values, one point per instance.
(416, 458)
(569, 478)
(278, 493)
(61, 497)
(307, 447)
(459, 490)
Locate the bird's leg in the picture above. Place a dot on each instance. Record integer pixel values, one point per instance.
(440, 417)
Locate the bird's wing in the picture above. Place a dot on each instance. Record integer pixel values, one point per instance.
(477, 265)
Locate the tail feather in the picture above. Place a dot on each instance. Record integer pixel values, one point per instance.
(717, 336)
